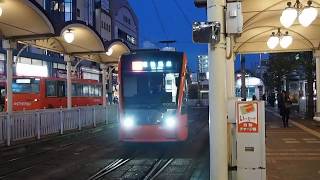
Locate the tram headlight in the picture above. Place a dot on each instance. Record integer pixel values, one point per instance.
(170, 122)
(128, 123)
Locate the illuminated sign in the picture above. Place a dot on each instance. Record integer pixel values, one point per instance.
(152, 65)
(23, 81)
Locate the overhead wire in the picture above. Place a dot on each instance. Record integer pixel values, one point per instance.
(186, 18)
(159, 18)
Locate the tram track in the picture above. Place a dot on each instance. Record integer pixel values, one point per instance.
(155, 169)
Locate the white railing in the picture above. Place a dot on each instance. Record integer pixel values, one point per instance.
(34, 124)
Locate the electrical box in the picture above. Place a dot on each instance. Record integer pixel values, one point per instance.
(251, 149)
(234, 18)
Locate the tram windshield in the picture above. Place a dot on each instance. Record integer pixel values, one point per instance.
(25, 85)
(152, 88)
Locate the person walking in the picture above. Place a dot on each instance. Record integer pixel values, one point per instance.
(285, 108)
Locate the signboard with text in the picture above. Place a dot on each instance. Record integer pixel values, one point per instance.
(247, 117)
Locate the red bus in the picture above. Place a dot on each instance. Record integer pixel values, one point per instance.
(31, 93)
(152, 96)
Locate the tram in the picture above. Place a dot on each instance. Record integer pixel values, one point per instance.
(30, 93)
(152, 96)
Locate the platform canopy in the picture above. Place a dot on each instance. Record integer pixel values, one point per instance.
(24, 19)
(261, 18)
(86, 44)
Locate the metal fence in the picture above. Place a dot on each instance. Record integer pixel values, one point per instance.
(34, 124)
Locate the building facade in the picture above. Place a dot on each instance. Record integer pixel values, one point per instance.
(125, 24)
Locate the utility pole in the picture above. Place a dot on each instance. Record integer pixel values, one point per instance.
(217, 95)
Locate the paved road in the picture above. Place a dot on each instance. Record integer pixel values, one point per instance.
(292, 153)
(79, 157)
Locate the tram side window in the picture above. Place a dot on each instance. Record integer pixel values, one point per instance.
(79, 90)
(74, 90)
(99, 91)
(85, 90)
(61, 88)
(51, 88)
(91, 90)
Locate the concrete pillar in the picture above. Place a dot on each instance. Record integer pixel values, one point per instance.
(9, 45)
(104, 82)
(68, 59)
(316, 56)
(217, 96)
(230, 76)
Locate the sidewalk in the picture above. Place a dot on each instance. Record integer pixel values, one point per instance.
(298, 118)
(292, 153)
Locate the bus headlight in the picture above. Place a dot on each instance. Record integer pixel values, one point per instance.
(128, 123)
(170, 122)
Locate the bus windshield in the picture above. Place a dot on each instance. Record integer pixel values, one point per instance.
(150, 88)
(25, 86)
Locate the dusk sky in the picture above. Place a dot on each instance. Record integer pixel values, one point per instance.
(172, 20)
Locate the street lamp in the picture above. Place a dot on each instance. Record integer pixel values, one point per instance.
(109, 52)
(273, 41)
(68, 36)
(307, 14)
(285, 40)
(288, 16)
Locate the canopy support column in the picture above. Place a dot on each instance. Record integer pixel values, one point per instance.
(9, 45)
(316, 56)
(68, 59)
(217, 96)
(104, 82)
(110, 85)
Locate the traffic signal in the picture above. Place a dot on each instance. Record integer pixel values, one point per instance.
(200, 3)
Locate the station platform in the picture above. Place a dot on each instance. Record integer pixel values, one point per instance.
(292, 153)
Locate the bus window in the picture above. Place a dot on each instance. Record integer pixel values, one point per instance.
(61, 88)
(25, 86)
(51, 88)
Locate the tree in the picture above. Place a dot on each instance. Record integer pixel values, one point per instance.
(279, 67)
